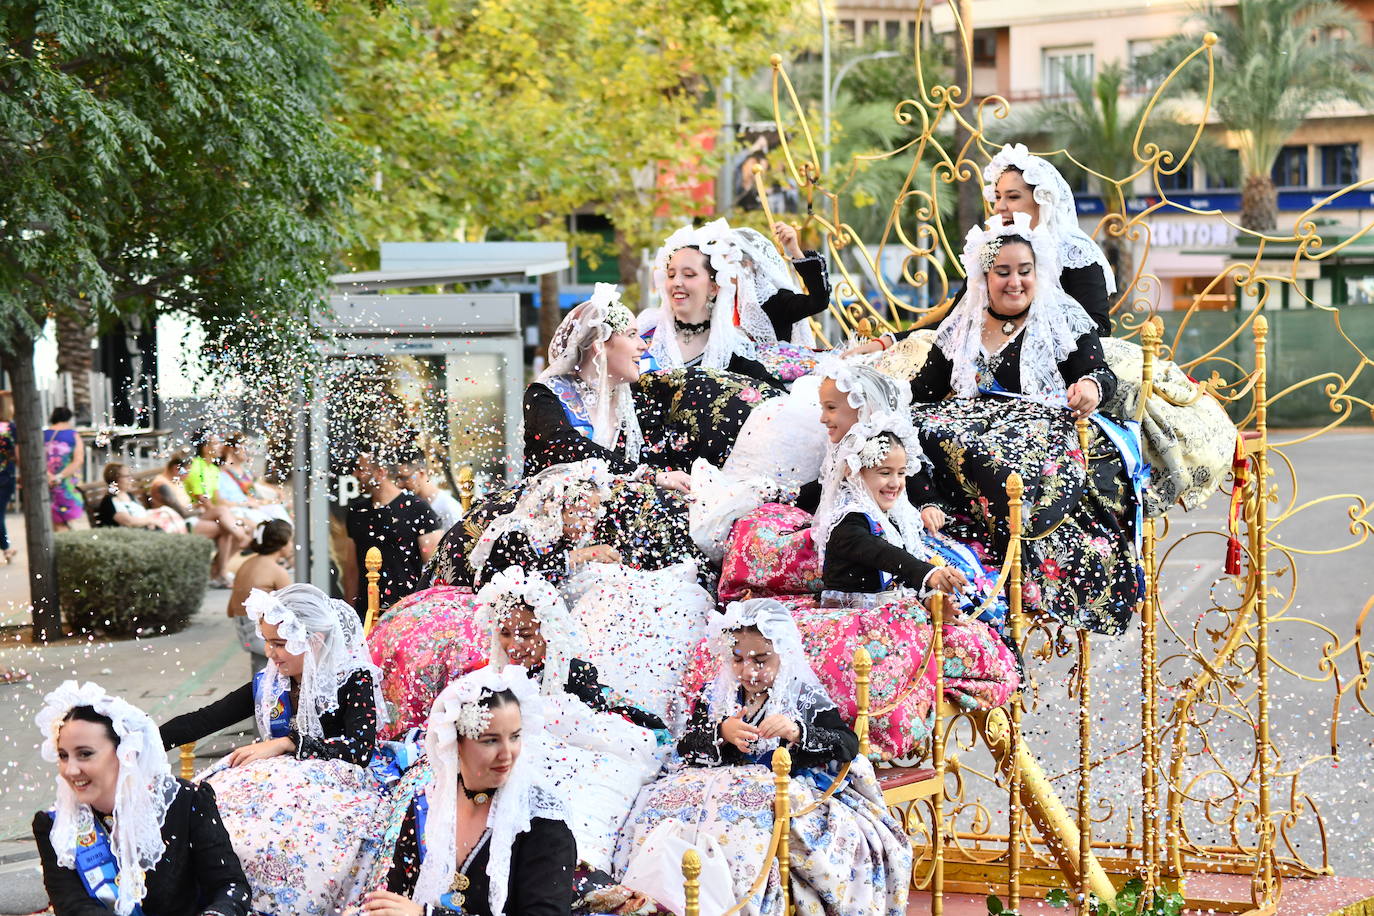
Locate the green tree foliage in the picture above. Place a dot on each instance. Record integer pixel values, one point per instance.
(491, 117)
(1277, 61)
(162, 155)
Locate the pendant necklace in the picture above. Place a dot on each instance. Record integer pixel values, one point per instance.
(1008, 321)
(688, 330)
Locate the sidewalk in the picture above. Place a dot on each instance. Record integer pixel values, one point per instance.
(164, 676)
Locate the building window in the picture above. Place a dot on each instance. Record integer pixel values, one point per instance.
(1224, 174)
(1182, 180)
(1060, 63)
(607, 269)
(1137, 50)
(984, 49)
(1290, 169)
(1340, 164)
(892, 30)
(847, 29)
(871, 27)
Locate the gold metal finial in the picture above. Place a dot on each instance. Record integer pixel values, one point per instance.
(691, 886)
(1210, 39)
(188, 760)
(467, 487)
(373, 562)
(1151, 332)
(775, 61)
(1016, 487)
(1261, 326)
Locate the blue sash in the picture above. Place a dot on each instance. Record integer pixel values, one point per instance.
(648, 363)
(392, 758)
(1125, 435)
(280, 724)
(95, 864)
(446, 899)
(571, 401)
(993, 612)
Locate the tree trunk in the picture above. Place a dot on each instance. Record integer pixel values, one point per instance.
(627, 260)
(74, 357)
(33, 472)
(550, 315)
(1259, 204)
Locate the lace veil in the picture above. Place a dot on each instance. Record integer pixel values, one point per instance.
(796, 692)
(539, 510)
(1050, 332)
(144, 789)
(1057, 211)
(845, 492)
(724, 340)
(327, 632)
(562, 632)
(763, 272)
(872, 393)
(579, 337)
(514, 804)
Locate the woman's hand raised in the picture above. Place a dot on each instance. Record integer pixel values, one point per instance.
(787, 238)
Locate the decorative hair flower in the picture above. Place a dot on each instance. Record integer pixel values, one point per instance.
(875, 450)
(618, 318)
(983, 243)
(472, 719)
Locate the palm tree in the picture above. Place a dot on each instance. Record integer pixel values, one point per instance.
(1277, 61)
(1100, 132)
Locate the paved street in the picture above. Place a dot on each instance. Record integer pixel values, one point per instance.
(171, 674)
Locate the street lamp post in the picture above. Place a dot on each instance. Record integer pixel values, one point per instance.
(831, 89)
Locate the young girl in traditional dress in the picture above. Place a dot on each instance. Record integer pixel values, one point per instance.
(124, 834)
(848, 855)
(299, 801)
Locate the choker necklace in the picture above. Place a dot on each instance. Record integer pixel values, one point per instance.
(689, 330)
(1008, 321)
(480, 797)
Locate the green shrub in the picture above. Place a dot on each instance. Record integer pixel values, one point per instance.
(130, 581)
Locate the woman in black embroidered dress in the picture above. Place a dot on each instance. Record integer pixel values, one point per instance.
(1022, 363)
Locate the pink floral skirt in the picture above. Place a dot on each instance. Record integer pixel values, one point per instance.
(980, 671)
(424, 641)
(769, 553)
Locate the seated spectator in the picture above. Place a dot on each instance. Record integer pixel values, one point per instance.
(121, 507)
(238, 485)
(268, 569)
(202, 477)
(205, 519)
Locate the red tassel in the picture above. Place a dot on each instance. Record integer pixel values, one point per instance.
(1233, 556)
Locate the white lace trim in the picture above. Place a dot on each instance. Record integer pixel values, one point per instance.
(144, 789)
(585, 329)
(1057, 211)
(796, 692)
(513, 805)
(327, 633)
(562, 633)
(1050, 332)
(539, 510)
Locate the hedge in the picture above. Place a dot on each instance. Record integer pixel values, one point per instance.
(130, 581)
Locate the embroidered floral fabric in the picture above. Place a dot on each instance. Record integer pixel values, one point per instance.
(848, 855)
(1083, 568)
(421, 644)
